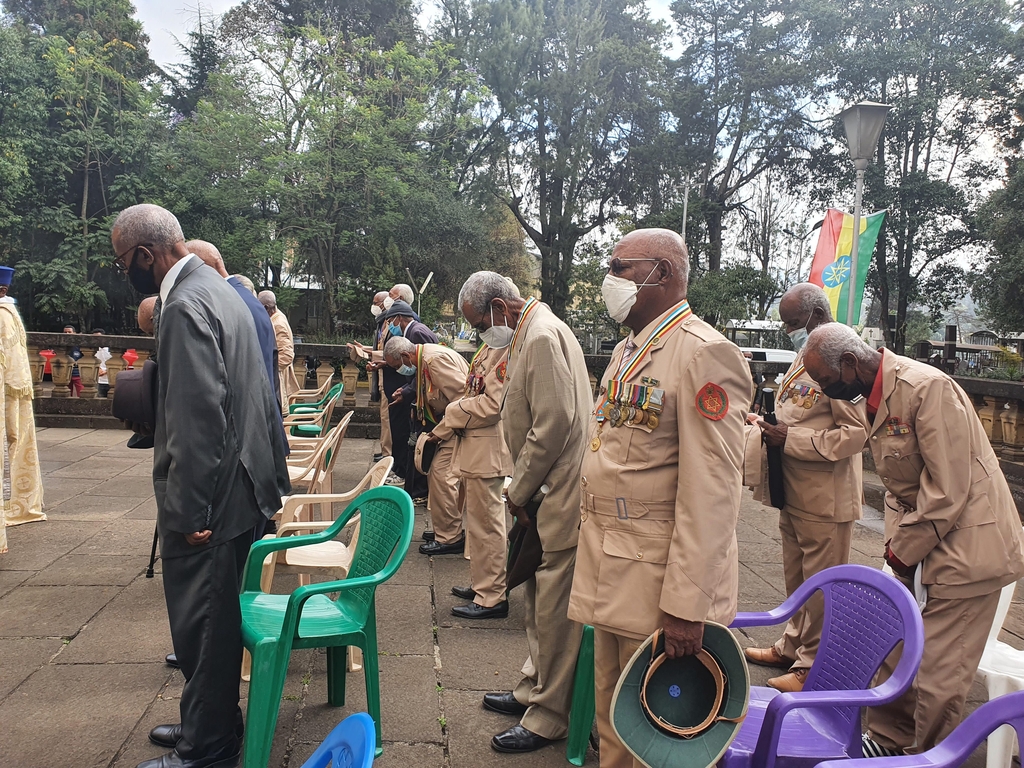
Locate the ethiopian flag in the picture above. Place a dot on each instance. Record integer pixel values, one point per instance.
(831, 266)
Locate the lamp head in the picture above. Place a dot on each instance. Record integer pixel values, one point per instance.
(863, 123)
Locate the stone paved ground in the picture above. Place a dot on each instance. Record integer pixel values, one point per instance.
(83, 632)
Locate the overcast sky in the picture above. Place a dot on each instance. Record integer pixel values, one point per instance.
(165, 20)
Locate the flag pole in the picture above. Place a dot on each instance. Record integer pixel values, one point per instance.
(854, 269)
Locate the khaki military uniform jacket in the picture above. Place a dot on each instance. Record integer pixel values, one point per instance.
(822, 469)
(658, 523)
(545, 405)
(947, 501)
(285, 353)
(480, 449)
(446, 372)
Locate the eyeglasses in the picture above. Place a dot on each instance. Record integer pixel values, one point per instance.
(120, 264)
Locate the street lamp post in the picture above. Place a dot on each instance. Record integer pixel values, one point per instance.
(863, 123)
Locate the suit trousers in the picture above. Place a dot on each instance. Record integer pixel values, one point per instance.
(611, 654)
(554, 643)
(443, 499)
(201, 591)
(385, 428)
(398, 419)
(808, 546)
(487, 535)
(955, 633)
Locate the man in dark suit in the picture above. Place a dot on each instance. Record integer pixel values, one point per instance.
(218, 469)
(400, 320)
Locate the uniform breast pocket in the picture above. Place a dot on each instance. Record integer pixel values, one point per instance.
(638, 450)
(632, 572)
(901, 459)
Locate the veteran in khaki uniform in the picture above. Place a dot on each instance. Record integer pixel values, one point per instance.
(662, 474)
(822, 440)
(482, 461)
(440, 377)
(948, 511)
(545, 404)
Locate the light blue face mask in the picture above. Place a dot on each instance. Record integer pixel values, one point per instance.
(395, 330)
(407, 370)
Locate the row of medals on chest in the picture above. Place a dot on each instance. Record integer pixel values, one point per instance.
(802, 396)
(631, 405)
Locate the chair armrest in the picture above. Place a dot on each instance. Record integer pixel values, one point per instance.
(259, 551)
(299, 597)
(290, 529)
(293, 502)
(777, 615)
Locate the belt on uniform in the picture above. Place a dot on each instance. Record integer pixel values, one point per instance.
(626, 509)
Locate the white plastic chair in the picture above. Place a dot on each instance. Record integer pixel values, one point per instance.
(313, 471)
(1002, 670)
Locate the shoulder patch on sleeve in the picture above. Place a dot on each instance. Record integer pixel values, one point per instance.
(501, 369)
(712, 402)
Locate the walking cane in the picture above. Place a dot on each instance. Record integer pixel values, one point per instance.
(152, 554)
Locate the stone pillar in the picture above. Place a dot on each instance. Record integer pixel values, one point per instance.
(114, 366)
(349, 375)
(325, 372)
(61, 366)
(989, 413)
(36, 363)
(88, 367)
(1012, 419)
(299, 369)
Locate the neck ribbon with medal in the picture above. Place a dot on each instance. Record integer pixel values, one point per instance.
(633, 404)
(804, 396)
(528, 307)
(475, 382)
(423, 410)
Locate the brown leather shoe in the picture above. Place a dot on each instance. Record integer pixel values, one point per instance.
(791, 682)
(767, 657)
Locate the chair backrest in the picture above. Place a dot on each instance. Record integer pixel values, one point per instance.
(330, 456)
(1005, 598)
(385, 522)
(373, 479)
(350, 745)
(867, 614)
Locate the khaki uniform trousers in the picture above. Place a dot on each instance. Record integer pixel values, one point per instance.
(486, 535)
(554, 642)
(955, 633)
(808, 547)
(385, 424)
(443, 500)
(611, 654)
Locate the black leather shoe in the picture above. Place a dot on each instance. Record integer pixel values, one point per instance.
(504, 703)
(435, 547)
(224, 758)
(172, 661)
(429, 536)
(466, 593)
(169, 735)
(378, 456)
(474, 611)
(517, 739)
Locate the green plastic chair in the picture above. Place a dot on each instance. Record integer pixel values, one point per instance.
(317, 406)
(581, 715)
(272, 625)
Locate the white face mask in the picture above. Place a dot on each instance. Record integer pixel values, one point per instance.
(619, 294)
(388, 302)
(799, 336)
(497, 336)
(375, 310)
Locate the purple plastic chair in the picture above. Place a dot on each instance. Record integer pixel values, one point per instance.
(958, 746)
(867, 613)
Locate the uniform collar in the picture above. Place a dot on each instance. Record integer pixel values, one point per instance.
(875, 398)
(172, 276)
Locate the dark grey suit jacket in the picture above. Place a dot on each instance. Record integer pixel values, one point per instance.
(219, 460)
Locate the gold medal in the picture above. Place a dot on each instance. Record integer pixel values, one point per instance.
(595, 443)
(653, 421)
(808, 402)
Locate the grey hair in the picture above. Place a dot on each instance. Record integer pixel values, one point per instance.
(380, 295)
(658, 243)
(832, 340)
(246, 283)
(811, 297)
(148, 224)
(404, 292)
(397, 347)
(268, 299)
(483, 287)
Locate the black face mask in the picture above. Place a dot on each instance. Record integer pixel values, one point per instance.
(142, 280)
(843, 390)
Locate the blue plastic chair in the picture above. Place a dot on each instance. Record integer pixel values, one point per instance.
(954, 750)
(867, 614)
(349, 745)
